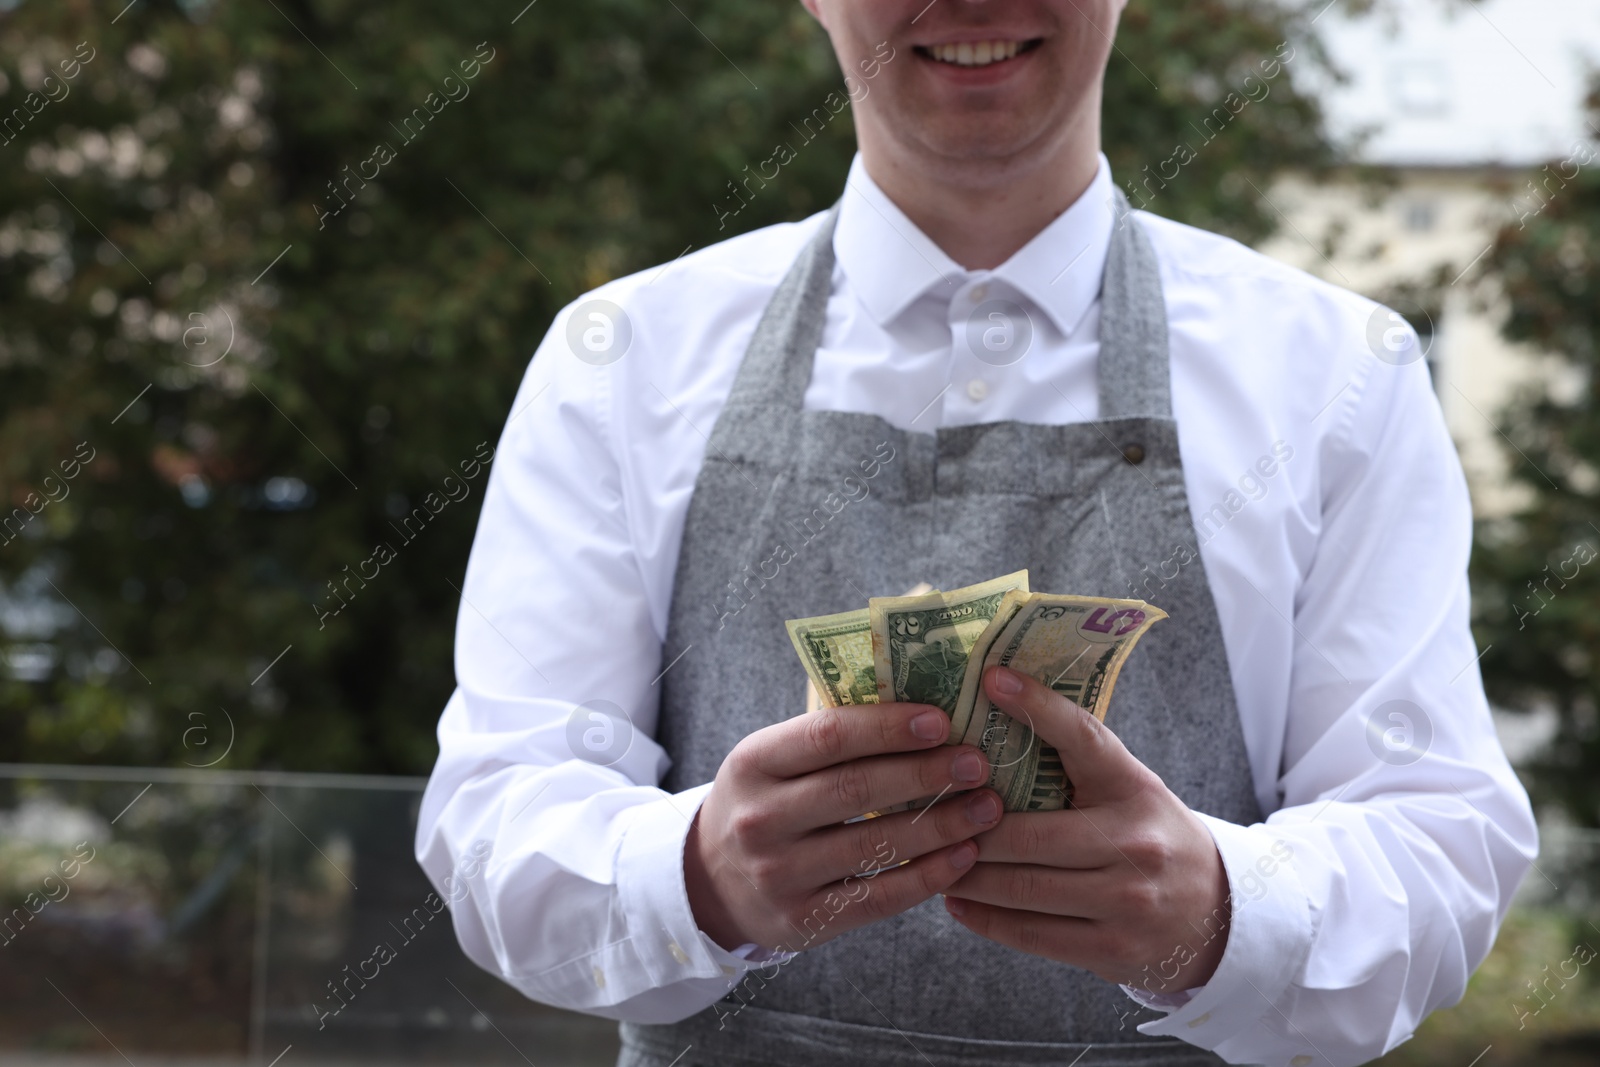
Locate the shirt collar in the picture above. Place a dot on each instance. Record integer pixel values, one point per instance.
(890, 262)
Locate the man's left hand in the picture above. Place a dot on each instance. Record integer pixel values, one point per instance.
(1126, 883)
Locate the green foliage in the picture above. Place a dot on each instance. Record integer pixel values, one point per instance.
(178, 200)
(1537, 577)
(1211, 79)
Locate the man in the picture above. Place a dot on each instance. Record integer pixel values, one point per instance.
(1296, 835)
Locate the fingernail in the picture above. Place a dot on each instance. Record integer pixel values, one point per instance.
(955, 906)
(963, 857)
(968, 767)
(929, 725)
(983, 809)
(1005, 681)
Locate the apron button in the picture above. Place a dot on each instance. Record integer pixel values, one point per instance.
(1133, 453)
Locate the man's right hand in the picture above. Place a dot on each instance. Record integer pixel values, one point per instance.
(767, 859)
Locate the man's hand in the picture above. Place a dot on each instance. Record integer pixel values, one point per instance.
(767, 859)
(1127, 878)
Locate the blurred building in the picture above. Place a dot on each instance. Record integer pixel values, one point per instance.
(1460, 106)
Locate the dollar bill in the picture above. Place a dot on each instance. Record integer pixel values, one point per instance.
(836, 651)
(961, 717)
(1076, 645)
(921, 644)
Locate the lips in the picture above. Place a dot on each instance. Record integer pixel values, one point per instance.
(976, 53)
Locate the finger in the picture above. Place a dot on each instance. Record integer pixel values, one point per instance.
(1072, 839)
(866, 846)
(1080, 942)
(1100, 768)
(809, 743)
(859, 901)
(846, 790)
(1046, 890)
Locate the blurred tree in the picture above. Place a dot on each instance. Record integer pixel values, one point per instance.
(270, 273)
(1537, 590)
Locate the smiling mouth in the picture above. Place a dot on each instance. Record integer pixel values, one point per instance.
(977, 53)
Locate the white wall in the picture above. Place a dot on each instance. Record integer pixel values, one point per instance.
(1455, 83)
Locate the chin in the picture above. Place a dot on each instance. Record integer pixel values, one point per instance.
(983, 139)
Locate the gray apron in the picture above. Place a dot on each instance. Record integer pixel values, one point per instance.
(779, 527)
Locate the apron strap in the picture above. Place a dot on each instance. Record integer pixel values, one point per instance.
(777, 365)
(1134, 373)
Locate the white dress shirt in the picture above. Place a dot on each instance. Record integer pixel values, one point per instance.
(1339, 578)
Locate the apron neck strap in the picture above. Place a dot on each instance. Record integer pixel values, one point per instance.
(1134, 374)
(777, 365)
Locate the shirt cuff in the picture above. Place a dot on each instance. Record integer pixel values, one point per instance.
(655, 899)
(1269, 937)
(745, 957)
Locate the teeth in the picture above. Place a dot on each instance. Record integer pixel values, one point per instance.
(974, 53)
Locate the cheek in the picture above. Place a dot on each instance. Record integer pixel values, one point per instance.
(858, 30)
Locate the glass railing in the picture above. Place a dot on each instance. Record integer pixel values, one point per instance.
(269, 918)
(230, 916)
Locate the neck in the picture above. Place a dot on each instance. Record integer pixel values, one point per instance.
(982, 214)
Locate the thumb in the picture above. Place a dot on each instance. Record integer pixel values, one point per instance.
(1096, 761)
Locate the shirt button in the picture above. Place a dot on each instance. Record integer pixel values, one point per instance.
(677, 952)
(1300, 1061)
(977, 389)
(1199, 1020)
(1133, 453)
(599, 978)
(980, 293)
